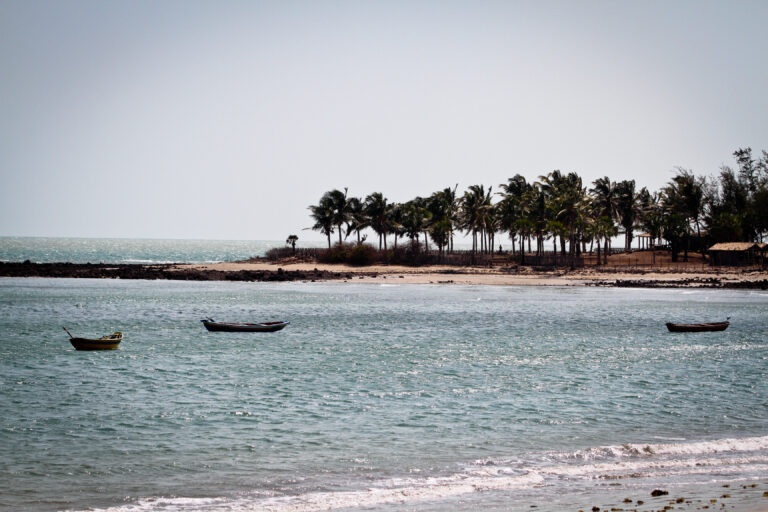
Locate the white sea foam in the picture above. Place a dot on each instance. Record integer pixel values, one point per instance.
(731, 459)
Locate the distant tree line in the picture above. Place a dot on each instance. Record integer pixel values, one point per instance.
(559, 208)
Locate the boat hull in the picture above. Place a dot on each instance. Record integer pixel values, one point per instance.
(110, 342)
(708, 327)
(244, 327)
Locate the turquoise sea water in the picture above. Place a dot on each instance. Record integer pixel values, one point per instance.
(378, 397)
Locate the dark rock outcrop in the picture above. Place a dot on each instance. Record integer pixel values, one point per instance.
(153, 272)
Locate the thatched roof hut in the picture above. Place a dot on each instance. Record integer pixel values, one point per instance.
(738, 254)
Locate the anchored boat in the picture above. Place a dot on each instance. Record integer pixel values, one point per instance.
(212, 325)
(108, 342)
(711, 326)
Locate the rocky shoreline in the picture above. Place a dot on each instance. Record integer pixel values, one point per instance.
(270, 272)
(161, 271)
(693, 282)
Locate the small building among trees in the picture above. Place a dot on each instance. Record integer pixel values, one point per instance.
(737, 254)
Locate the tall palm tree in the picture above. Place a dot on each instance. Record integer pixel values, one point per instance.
(395, 221)
(511, 208)
(474, 214)
(627, 209)
(565, 202)
(415, 218)
(604, 197)
(443, 207)
(341, 212)
(603, 229)
(378, 210)
(357, 220)
(651, 214)
(492, 224)
(536, 216)
(322, 214)
(549, 186)
(605, 206)
(573, 211)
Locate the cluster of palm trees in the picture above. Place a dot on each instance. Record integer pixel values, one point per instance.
(560, 208)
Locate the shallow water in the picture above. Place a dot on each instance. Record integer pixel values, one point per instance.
(409, 397)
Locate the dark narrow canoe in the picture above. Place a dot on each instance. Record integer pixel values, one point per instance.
(108, 342)
(243, 327)
(712, 326)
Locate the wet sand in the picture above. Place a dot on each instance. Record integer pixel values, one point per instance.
(742, 497)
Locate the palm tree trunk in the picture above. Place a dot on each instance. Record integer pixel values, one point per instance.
(598, 253)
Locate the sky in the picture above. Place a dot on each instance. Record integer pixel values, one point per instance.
(228, 119)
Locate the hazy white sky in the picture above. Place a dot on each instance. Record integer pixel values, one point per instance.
(227, 119)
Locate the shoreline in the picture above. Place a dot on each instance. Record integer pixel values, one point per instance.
(263, 271)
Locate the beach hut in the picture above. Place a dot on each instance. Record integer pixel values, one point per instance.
(737, 254)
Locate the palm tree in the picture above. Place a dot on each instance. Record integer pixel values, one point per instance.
(549, 186)
(536, 216)
(573, 210)
(604, 197)
(357, 219)
(651, 217)
(474, 214)
(565, 202)
(414, 219)
(291, 240)
(395, 221)
(511, 208)
(378, 211)
(341, 212)
(441, 211)
(604, 229)
(442, 206)
(605, 206)
(627, 209)
(492, 224)
(322, 213)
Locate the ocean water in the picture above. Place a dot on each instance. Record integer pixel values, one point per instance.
(129, 250)
(378, 397)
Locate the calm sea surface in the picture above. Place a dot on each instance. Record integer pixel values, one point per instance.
(378, 397)
(126, 250)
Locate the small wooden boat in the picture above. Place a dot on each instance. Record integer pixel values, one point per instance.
(212, 325)
(108, 342)
(711, 326)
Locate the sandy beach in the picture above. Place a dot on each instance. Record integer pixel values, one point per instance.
(695, 276)
(638, 269)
